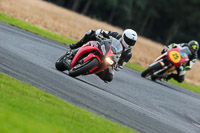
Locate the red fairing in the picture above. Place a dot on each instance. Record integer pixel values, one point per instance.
(84, 49)
(179, 63)
(184, 60)
(95, 69)
(110, 53)
(91, 55)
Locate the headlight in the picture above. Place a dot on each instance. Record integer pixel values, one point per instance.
(110, 61)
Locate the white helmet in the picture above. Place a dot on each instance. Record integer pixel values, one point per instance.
(129, 37)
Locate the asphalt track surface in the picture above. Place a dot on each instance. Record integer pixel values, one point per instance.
(149, 107)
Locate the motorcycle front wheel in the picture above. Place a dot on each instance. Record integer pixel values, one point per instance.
(149, 71)
(83, 68)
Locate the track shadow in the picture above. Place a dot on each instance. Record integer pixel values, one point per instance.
(179, 89)
(166, 84)
(91, 84)
(67, 73)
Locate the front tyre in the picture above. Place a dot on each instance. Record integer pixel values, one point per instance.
(151, 70)
(83, 68)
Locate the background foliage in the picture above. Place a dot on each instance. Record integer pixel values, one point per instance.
(160, 20)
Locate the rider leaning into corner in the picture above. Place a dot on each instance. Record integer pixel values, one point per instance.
(181, 71)
(127, 40)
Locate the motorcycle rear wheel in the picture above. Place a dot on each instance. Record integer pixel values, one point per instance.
(83, 68)
(151, 70)
(60, 64)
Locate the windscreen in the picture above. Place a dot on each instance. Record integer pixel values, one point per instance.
(116, 46)
(185, 52)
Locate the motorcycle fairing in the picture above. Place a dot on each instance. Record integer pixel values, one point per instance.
(160, 57)
(84, 49)
(105, 49)
(175, 57)
(91, 55)
(104, 66)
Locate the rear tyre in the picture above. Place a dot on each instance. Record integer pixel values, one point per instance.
(60, 64)
(151, 70)
(83, 68)
(153, 77)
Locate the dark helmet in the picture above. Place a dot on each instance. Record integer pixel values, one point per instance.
(193, 46)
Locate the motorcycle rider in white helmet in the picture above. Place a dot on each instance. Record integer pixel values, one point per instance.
(127, 40)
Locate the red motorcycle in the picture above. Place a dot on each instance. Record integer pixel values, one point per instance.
(92, 57)
(167, 63)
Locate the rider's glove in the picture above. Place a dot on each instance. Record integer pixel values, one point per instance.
(187, 68)
(99, 33)
(102, 33)
(118, 67)
(163, 51)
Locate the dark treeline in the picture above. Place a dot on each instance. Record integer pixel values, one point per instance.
(165, 21)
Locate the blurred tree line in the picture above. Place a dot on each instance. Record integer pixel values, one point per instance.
(165, 21)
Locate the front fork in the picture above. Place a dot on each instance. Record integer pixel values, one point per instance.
(155, 74)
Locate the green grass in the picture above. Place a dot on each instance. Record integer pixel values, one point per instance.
(135, 66)
(26, 109)
(29, 27)
(185, 85)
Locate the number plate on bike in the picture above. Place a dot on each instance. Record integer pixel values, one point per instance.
(175, 56)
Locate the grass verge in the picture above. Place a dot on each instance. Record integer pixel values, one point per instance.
(135, 67)
(32, 28)
(24, 108)
(29, 27)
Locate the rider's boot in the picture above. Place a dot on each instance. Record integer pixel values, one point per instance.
(177, 77)
(77, 44)
(89, 36)
(169, 77)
